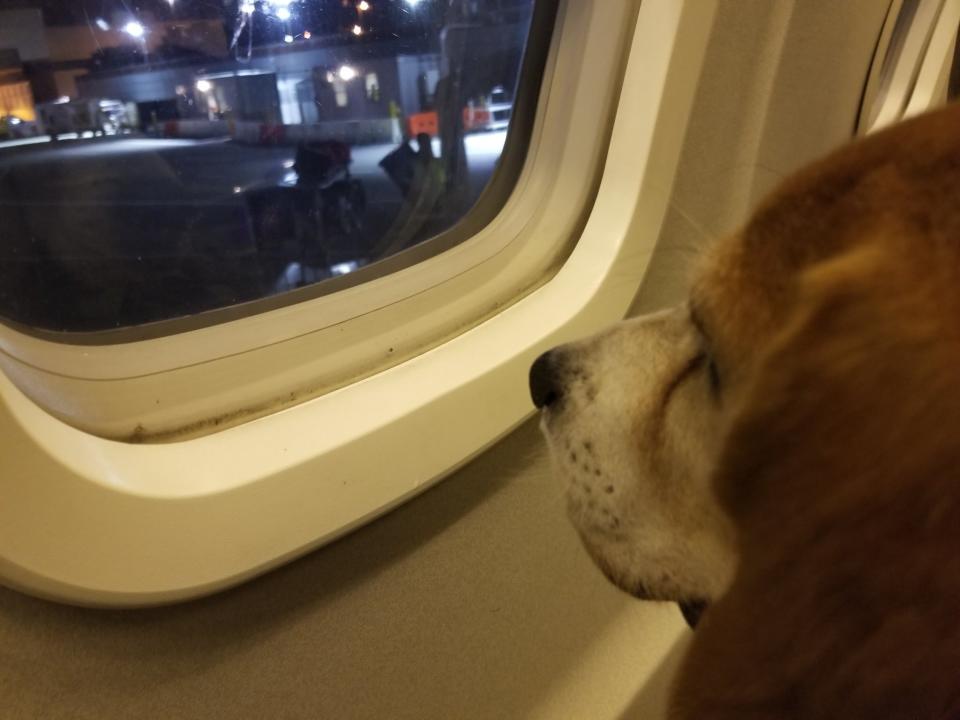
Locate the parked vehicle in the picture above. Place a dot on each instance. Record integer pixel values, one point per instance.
(489, 112)
(500, 107)
(99, 116)
(15, 128)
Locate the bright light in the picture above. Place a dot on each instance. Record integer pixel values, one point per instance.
(357, 30)
(247, 8)
(344, 267)
(102, 24)
(14, 120)
(413, 3)
(283, 13)
(307, 35)
(363, 6)
(288, 38)
(346, 73)
(62, 99)
(282, 3)
(204, 86)
(134, 29)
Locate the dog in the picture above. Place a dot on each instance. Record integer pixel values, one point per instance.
(782, 451)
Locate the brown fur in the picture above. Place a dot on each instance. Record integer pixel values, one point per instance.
(837, 310)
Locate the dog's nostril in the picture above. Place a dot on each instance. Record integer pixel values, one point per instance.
(544, 381)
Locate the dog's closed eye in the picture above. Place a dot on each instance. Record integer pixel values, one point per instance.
(707, 359)
(713, 376)
(701, 361)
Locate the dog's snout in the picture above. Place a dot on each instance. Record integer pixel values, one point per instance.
(545, 385)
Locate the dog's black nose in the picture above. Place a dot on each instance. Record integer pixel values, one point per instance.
(544, 380)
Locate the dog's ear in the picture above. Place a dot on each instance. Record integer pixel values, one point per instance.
(842, 474)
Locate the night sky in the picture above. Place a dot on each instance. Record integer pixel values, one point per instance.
(377, 18)
(381, 12)
(75, 12)
(418, 21)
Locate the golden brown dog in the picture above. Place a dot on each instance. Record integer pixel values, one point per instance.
(786, 446)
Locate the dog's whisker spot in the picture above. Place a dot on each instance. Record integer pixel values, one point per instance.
(573, 457)
(608, 489)
(597, 472)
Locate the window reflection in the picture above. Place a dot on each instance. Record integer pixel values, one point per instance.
(163, 158)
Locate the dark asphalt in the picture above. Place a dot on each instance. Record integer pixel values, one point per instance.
(104, 233)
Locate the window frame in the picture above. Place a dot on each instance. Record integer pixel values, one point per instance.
(911, 69)
(933, 77)
(207, 378)
(150, 523)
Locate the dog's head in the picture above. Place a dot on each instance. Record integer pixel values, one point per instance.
(787, 442)
(634, 417)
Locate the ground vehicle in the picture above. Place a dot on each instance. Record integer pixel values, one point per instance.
(500, 107)
(489, 112)
(99, 116)
(15, 128)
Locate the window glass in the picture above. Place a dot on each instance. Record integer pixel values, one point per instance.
(163, 158)
(953, 78)
(917, 67)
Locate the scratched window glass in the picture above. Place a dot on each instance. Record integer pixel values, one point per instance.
(164, 158)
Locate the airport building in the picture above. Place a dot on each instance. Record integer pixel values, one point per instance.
(189, 69)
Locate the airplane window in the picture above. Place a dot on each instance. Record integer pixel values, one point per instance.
(165, 158)
(936, 82)
(953, 79)
(916, 67)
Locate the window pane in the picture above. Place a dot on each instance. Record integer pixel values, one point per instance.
(163, 158)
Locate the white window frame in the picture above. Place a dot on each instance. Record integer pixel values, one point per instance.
(930, 89)
(910, 74)
(98, 521)
(206, 379)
